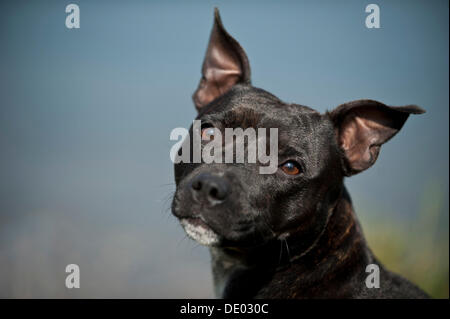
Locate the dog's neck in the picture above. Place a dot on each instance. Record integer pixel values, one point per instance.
(295, 268)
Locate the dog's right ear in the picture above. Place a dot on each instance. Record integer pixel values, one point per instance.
(225, 65)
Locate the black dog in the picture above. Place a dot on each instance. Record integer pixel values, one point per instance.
(291, 234)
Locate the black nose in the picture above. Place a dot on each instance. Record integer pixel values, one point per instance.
(213, 189)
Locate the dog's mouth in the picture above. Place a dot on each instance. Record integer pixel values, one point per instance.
(199, 231)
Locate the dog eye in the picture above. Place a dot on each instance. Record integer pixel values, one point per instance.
(208, 133)
(291, 168)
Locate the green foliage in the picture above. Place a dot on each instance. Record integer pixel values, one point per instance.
(416, 247)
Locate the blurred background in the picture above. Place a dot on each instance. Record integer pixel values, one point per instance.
(85, 118)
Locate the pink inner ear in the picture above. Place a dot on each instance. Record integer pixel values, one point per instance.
(221, 73)
(361, 136)
(221, 70)
(220, 59)
(217, 82)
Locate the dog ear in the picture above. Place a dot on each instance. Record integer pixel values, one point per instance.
(225, 64)
(363, 126)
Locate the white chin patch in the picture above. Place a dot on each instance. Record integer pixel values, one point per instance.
(200, 233)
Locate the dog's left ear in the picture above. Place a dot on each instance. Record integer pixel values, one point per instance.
(363, 126)
(225, 64)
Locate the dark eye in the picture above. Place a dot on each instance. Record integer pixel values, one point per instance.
(208, 133)
(291, 168)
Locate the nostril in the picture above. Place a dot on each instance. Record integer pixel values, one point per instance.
(214, 192)
(197, 185)
(218, 192)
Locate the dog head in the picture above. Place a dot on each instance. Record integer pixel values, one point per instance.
(233, 204)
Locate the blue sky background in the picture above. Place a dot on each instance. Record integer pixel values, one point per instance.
(85, 118)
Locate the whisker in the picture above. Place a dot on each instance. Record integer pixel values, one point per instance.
(281, 252)
(166, 202)
(167, 184)
(287, 248)
(181, 240)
